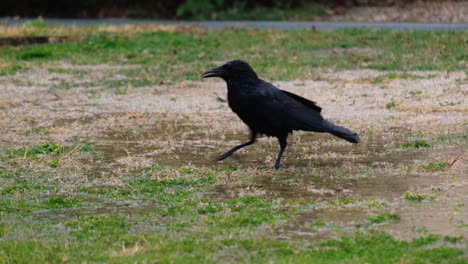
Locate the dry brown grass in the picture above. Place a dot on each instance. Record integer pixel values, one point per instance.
(77, 31)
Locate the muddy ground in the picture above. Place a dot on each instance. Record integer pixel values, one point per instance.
(186, 124)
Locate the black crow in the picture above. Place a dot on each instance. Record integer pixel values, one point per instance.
(270, 111)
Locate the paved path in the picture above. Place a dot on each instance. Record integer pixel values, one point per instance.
(247, 24)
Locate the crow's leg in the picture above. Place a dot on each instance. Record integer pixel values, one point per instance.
(283, 143)
(253, 138)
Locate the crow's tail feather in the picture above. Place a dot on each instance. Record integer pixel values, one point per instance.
(340, 132)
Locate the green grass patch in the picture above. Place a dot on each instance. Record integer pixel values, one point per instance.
(20, 202)
(174, 195)
(10, 69)
(373, 204)
(21, 186)
(415, 197)
(39, 52)
(377, 219)
(275, 54)
(152, 169)
(228, 168)
(452, 137)
(60, 202)
(320, 223)
(45, 149)
(11, 173)
(425, 240)
(393, 76)
(414, 93)
(60, 70)
(50, 154)
(453, 239)
(98, 227)
(434, 166)
(245, 212)
(101, 231)
(391, 104)
(33, 151)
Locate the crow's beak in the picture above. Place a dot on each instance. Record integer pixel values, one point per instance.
(215, 72)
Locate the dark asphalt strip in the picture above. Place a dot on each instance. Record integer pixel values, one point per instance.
(244, 24)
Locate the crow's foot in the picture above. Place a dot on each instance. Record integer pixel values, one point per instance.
(223, 156)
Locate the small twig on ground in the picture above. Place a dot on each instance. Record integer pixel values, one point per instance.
(219, 99)
(457, 158)
(56, 95)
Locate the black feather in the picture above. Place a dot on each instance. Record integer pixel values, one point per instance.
(304, 101)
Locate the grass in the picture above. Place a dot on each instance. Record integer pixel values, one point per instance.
(182, 224)
(391, 104)
(49, 154)
(453, 239)
(434, 166)
(35, 151)
(122, 197)
(451, 137)
(362, 247)
(186, 227)
(10, 69)
(65, 71)
(414, 93)
(275, 54)
(373, 204)
(320, 223)
(394, 75)
(377, 219)
(416, 197)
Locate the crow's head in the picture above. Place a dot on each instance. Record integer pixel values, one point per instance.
(235, 69)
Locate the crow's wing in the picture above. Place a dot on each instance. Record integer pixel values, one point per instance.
(304, 101)
(287, 110)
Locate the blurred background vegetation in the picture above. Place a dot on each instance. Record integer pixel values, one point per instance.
(186, 9)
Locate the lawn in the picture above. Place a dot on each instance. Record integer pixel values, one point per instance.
(109, 139)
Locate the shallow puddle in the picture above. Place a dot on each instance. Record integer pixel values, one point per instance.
(183, 144)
